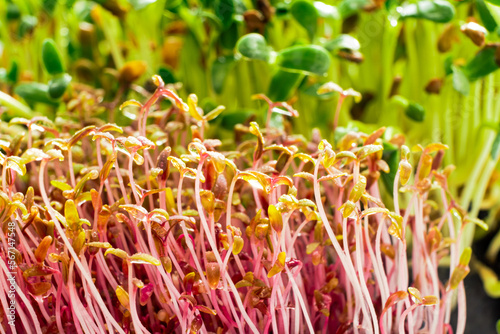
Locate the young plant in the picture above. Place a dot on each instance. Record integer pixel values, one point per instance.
(275, 233)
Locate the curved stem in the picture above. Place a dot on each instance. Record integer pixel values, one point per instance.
(403, 317)
(85, 274)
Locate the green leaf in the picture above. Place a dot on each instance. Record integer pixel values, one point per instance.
(477, 222)
(238, 116)
(27, 25)
(224, 9)
(457, 276)
(440, 11)
(347, 208)
(61, 185)
(166, 75)
(13, 75)
(358, 189)
(415, 112)
(34, 92)
(49, 6)
(460, 81)
(495, 148)
(221, 67)
(482, 64)
(140, 4)
(305, 59)
(490, 281)
(229, 37)
(92, 175)
(58, 85)
(194, 23)
(214, 113)
(306, 15)
(465, 257)
(253, 46)
(51, 57)
(391, 156)
(366, 150)
(13, 11)
(488, 20)
(343, 41)
(283, 85)
(349, 7)
(326, 11)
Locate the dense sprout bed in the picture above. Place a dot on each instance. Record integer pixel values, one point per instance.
(153, 228)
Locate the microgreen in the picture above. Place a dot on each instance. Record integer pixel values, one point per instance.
(190, 237)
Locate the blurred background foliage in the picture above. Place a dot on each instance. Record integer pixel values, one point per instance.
(426, 70)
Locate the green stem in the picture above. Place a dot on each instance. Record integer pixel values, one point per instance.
(106, 27)
(14, 107)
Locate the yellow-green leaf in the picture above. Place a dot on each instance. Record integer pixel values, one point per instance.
(275, 218)
(312, 247)
(117, 252)
(465, 257)
(367, 150)
(347, 208)
(238, 244)
(123, 297)
(103, 175)
(142, 258)
(415, 294)
(15, 163)
(129, 103)
(97, 244)
(33, 154)
(80, 134)
(278, 266)
(372, 211)
(430, 300)
(193, 107)
(71, 214)
(214, 113)
(79, 242)
(458, 275)
(358, 189)
(61, 185)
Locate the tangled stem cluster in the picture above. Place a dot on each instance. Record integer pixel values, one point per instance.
(154, 229)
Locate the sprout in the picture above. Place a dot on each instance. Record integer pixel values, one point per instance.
(176, 242)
